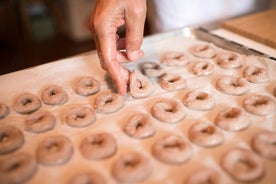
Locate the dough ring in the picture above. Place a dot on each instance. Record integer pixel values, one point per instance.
(87, 86)
(17, 168)
(26, 103)
(260, 105)
(205, 134)
(54, 150)
(140, 86)
(203, 50)
(243, 165)
(98, 146)
(264, 144)
(203, 68)
(132, 167)
(274, 92)
(4, 110)
(256, 74)
(229, 60)
(139, 125)
(108, 102)
(40, 121)
(205, 175)
(172, 82)
(232, 119)
(168, 110)
(172, 149)
(89, 177)
(11, 138)
(175, 59)
(54, 95)
(199, 100)
(78, 116)
(152, 69)
(232, 85)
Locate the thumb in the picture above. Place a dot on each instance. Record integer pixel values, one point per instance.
(135, 20)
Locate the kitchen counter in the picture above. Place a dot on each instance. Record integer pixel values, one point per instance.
(64, 73)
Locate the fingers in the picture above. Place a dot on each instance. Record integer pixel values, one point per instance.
(109, 57)
(122, 57)
(120, 76)
(121, 54)
(109, 61)
(108, 16)
(135, 20)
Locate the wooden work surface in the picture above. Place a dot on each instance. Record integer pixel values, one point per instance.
(260, 27)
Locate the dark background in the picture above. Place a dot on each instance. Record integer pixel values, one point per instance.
(30, 37)
(19, 49)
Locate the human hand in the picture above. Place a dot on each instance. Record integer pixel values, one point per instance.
(107, 17)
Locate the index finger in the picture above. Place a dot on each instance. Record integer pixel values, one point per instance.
(108, 54)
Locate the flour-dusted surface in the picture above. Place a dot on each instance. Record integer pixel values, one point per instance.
(65, 73)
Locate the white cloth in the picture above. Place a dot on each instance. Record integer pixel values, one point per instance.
(164, 15)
